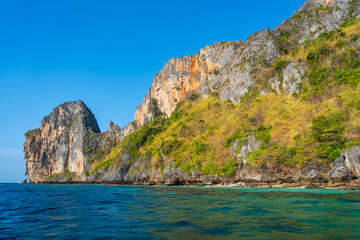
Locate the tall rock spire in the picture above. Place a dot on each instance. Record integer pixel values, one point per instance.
(57, 146)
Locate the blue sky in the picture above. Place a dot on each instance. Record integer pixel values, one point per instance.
(104, 53)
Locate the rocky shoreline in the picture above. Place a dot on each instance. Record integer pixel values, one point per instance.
(343, 175)
(348, 185)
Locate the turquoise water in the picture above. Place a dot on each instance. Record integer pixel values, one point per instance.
(131, 212)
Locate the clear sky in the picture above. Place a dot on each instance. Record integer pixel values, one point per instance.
(104, 53)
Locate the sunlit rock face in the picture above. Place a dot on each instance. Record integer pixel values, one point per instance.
(326, 2)
(69, 139)
(58, 144)
(177, 77)
(231, 69)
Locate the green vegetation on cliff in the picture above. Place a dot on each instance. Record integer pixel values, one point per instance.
(30, 133)
(310, 127)
(65, 176)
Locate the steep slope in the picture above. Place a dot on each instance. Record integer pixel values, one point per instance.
(292, 137)
(231, 69)
(282, 108)
(57, 147)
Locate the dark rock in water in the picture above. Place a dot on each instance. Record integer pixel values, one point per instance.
(24, 181)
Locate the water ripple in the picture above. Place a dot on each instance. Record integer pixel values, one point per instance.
(118, 212)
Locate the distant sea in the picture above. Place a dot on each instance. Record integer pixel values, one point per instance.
(140, 212)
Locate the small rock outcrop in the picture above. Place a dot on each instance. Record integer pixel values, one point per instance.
(241, 149)
(347, 165)
(114, 132)
(57, 146)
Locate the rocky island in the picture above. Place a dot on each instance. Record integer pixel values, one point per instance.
(279, 110)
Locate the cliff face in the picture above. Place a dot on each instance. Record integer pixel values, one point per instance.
(177, 77)
(231, 69)
(189, 147)
(58, 144)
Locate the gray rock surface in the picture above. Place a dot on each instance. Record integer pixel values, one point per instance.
(70, 140)
(231, 69)
(347, 165)
(242, 150)
(352, 161)
(314, 175)
(118, 174)
(58, 144)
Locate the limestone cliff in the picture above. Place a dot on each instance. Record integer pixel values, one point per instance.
(96, 145)
(231, 69)
(58, 144)
(177, 77)
(69, 146)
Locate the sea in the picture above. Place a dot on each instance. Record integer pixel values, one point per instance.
(41, 211)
